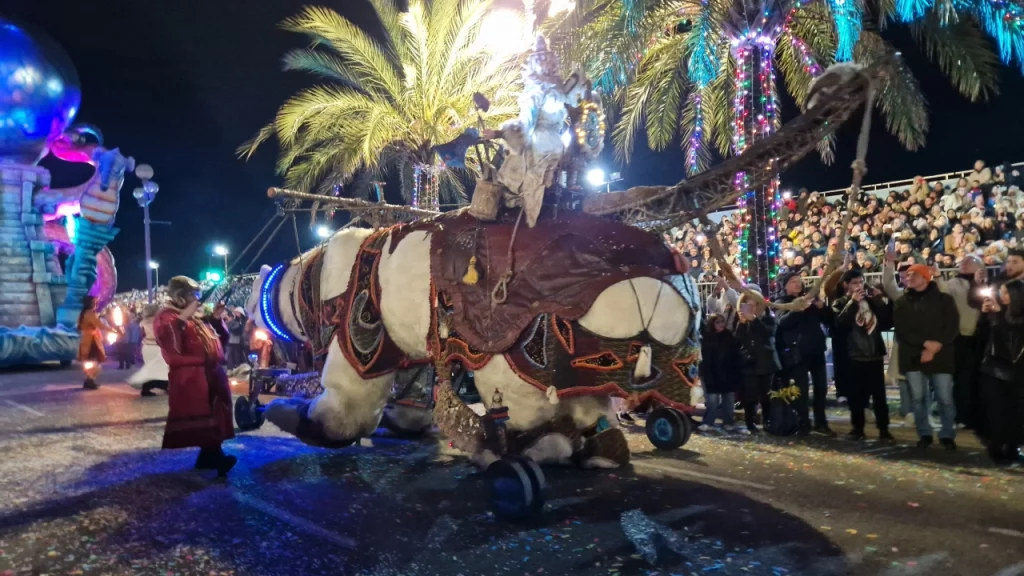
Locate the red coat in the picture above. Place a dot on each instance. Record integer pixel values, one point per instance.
(199, 395)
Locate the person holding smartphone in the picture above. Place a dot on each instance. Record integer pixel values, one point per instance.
(199, 395)
(1002, 371)
(861, 315)
(755, 332)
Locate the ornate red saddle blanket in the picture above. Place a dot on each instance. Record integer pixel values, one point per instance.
(560, 266)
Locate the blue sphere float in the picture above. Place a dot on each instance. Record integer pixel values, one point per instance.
(40, 300)
(39, 93)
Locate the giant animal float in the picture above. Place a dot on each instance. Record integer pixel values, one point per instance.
(553, 300)
(40, 300)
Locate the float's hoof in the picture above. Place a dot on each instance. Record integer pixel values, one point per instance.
(517, 488)
(606, 449)
(285, 413)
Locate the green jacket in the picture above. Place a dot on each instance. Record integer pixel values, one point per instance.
(921, 316)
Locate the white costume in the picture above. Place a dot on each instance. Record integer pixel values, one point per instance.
(154, 366)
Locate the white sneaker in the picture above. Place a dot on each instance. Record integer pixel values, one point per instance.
(732, 428)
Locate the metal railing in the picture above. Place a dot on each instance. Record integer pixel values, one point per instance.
(876, 189)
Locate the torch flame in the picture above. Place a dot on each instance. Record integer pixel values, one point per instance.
(118, 318)
(111, 337)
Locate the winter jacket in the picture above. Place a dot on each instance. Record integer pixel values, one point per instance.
(1005, 348)
(921, 316)
(757, 346)
(801, 334)
(720, 365)
(856, 342)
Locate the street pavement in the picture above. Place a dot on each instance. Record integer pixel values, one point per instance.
(85, 489)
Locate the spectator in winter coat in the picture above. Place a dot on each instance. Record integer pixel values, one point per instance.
(861, 315)
(1002, 373)
(927, 323)
(719, 371)
(801, 343)
(756, 335)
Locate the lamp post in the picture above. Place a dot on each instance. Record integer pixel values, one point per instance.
(145, 195)
(596, 177)
(222, 250)
(155, 267)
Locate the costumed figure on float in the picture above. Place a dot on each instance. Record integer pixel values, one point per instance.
(543, 293)
(39, 301)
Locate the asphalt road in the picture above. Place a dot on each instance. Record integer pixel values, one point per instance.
(85, 489)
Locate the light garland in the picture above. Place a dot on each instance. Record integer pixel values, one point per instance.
(268, 303)
(425, 188)
(693, 148)
(590, 129)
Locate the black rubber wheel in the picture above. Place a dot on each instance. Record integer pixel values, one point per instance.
(668, 428)
(246, 415)
(256, 413)
(517, 488)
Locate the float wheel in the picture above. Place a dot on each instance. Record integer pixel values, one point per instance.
(517, 488)
(668, 428)
(248, 415)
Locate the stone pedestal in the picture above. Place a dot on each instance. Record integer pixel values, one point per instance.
(27, 258)
(29, 287)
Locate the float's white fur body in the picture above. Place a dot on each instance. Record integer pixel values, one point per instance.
(405, 292)
(615, 313)
(288, 293)
(339, 261)
(352, 406)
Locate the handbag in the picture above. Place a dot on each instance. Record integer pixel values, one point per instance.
(784, 420)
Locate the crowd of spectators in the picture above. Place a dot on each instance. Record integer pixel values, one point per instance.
(135, 300)
(936, 223)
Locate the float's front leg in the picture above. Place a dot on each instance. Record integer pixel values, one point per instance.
(349, 408)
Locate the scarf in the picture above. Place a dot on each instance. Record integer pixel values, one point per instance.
(865, 317)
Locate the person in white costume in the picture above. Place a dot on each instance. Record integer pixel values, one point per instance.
(153, 373)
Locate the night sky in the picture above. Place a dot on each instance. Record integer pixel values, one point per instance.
(179, 84)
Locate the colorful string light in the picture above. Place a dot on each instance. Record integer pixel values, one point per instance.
(693, 150)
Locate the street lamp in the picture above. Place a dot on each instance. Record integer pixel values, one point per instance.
(323, 232)
(145, 195)
(222, 250)
(155, 267)
(596, 177)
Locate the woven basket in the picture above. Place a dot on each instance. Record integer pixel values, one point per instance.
(486, 199)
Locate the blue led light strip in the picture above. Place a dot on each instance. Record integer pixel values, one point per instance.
(268, 303)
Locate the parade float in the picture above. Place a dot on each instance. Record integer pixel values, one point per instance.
(553, 298)
(39, 298)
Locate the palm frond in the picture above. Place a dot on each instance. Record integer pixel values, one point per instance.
(368, 59)
(963, 53)
(323, 64)
(248, 148)
(899, 97)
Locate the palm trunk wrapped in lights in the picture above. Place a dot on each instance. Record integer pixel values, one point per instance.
(755, 118)
(426, 188)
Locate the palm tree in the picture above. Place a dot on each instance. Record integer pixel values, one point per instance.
(693, 68)
(388, 98)
(706, 70)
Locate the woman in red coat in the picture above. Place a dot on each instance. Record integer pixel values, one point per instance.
(199, 395)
